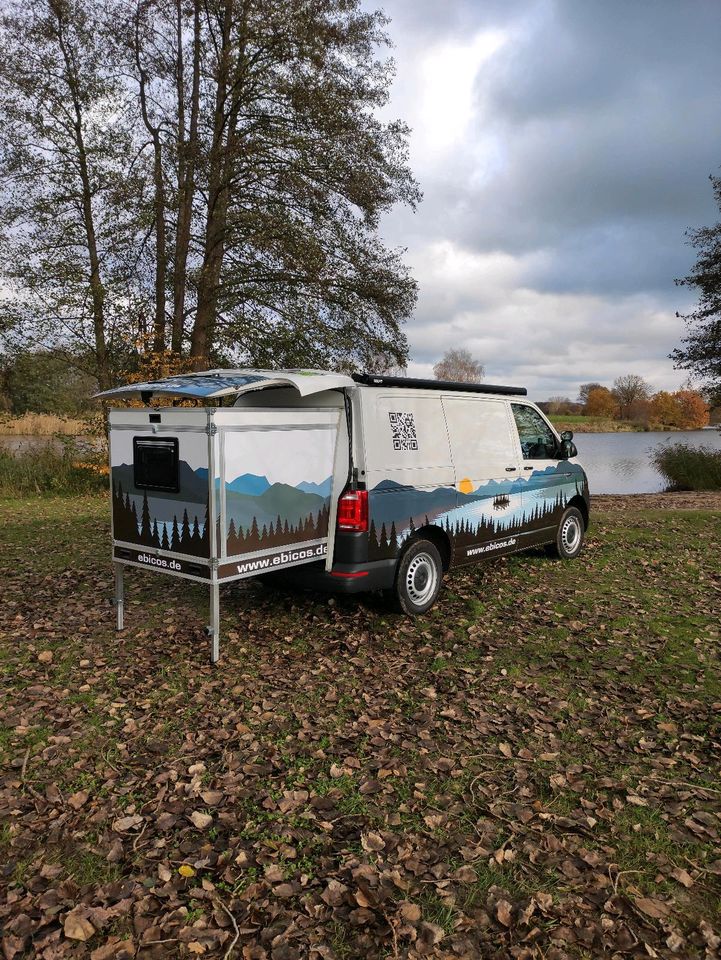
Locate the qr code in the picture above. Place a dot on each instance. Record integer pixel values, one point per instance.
(404, 431)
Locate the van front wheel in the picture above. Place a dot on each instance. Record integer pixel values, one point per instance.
(570, 534)
(418, 579)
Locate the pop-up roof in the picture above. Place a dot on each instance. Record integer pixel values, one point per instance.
(211, 384)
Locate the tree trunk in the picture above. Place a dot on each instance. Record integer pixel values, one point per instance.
(97, 290)
(161, 260)
(223, 125)
(187, 154)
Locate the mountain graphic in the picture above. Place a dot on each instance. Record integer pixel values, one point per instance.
(279, 500)
(322, 488)
(192, 484)
(249, 483)
(421, 503)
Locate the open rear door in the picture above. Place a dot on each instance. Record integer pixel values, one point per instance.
(217, 384)
(276, 487)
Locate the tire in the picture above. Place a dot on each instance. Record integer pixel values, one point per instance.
(418, 577)
(570, 535)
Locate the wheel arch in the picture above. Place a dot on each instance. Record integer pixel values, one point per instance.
(440, 540)
(580, 504)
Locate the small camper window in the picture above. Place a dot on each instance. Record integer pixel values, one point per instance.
(155, 463)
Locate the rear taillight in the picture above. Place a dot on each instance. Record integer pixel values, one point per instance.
(353, 511)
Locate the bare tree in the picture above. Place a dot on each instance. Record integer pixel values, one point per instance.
(560, 404)
(628, 390)
(459, 365)
(65, 239)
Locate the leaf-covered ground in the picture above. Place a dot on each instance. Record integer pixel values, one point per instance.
(532, 770)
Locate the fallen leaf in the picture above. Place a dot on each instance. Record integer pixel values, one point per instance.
(334, 893)
(372, 842)
(656, 909)
(77, 800)
(684, 878)
(674, 941)
(410, 912)
(127, 823)
(284, 890)
(77, 926)
(46, 656)
(201, 820)
(186, 870)
(212, 797)
(503, 912)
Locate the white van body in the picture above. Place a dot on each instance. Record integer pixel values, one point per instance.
(335, 481)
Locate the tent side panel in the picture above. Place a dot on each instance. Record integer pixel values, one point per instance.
(159, 481)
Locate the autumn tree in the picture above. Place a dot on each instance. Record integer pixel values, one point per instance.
(628, 390)
(665, 409)
(459, 364)
(600, 402)
(694, 409)
(204, 179)
(700, 351)
(262, 117)
(585, 389)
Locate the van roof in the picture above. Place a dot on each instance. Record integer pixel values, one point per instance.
(373, 380)
(212, 384)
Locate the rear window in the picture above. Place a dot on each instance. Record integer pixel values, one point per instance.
(155, 463)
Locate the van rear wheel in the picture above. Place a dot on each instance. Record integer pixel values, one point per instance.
(570, 534)
(418, 578)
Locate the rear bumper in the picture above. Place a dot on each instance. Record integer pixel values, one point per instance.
(343, 578)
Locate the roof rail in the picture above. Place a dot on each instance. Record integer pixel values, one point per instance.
(416, 383)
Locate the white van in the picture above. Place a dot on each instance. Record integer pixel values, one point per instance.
(342, 483)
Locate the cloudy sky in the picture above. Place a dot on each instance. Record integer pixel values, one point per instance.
(563, 148)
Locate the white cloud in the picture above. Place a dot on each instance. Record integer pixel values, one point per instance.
(548, 341)
(562, 161)
(444, 106)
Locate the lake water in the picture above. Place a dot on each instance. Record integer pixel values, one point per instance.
(614, 462)
(621, 463)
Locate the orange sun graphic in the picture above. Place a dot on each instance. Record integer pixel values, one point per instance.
(465, 485)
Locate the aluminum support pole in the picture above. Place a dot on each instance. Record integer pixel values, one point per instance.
(119, 595)
(213, 629)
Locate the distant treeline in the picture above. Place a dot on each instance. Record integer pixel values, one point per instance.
(631, 398)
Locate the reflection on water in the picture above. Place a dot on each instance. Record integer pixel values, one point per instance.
(621, 462)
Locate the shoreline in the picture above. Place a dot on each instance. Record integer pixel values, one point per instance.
(666, 500)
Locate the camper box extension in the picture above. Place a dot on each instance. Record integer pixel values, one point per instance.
(342, 483)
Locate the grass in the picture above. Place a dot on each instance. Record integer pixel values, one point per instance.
(583, 424)
(517, 717)
(47, 470)
(689, 468)
(46, 425)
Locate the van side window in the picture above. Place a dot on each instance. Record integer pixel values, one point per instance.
(537, 439)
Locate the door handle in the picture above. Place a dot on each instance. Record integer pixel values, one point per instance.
(528, 468)
(511, 469)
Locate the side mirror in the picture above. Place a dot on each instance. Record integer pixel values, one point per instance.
(567, 435)
(568, 448)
